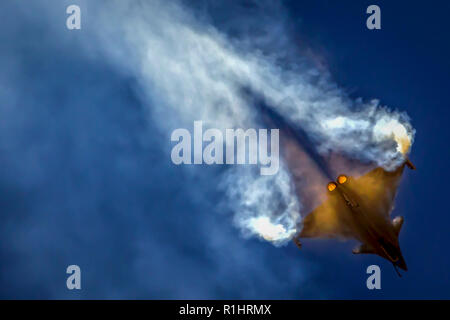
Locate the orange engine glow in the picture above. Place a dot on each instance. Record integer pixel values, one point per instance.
(331, 186)
(342, 179)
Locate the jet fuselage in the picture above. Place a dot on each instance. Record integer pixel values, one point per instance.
(371, 228)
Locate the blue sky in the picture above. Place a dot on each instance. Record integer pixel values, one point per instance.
(86, 177)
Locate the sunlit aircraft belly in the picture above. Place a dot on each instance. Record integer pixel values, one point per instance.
(364, 228)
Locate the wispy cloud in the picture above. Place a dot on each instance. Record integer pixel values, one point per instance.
(199, 72)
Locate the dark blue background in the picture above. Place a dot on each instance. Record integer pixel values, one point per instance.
(85, 179)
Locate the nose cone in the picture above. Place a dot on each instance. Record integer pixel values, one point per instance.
(402, 264)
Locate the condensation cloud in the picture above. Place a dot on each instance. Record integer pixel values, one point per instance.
(187, 67)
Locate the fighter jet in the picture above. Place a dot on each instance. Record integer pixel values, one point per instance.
(359, 208)
(356, 205)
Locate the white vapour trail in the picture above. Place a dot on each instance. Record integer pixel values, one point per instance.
(197, 71)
